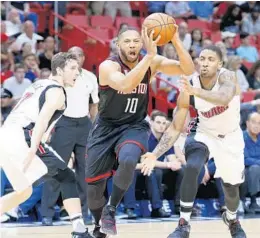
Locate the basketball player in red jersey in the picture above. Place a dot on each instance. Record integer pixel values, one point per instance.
(120, 130)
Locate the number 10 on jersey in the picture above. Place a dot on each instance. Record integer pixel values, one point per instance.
(131, 105)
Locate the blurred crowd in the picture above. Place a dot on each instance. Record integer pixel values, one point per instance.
(26, 57)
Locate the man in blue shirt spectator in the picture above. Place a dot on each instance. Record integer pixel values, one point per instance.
(202, 10)
(252, 158)
(154, 181)
(246, 51)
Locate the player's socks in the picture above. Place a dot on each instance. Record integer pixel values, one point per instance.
(231, 215)
(186, 209)
(78, 223)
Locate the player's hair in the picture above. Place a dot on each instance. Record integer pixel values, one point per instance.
(156, 113)
(60, 60)
(18, 66)
(129, 28)
(215, 49)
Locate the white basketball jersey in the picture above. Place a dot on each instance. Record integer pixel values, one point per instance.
(214, 119)
(26, 111)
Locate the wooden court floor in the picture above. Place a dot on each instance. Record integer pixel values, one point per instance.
(200, 229)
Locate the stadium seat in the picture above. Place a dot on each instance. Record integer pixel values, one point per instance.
(139, 6)
(101, 21)
(248, 96)
(104, 34)
(248, 65)
(78, 20)
(216, 36)
(204, 26)
(132, 21)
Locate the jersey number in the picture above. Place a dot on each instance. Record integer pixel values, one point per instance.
(131, 105)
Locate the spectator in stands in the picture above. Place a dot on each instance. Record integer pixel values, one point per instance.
(202, 10)
(245, 50)
(196, 42)
(13, 23)
(231, 21)
(49, 51)
(6, 102)
(248, 6)
(113, 46)
(7, 60)
(223, 49)
(178, 9)
(154, 181)
(253, 76)
(32, 67)
(206, 43)
(25, 13)
(44, 74)
(234, 64)
(25, 50)
(17, 84)
(252, 158)
(97, 7)
(28, 36)
(246, 108)
(228, 39)
(156, 6)
(251, 23)
(111, 9)
(184, 35)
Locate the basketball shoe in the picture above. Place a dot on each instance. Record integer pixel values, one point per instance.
(182, 231)
(108, 221)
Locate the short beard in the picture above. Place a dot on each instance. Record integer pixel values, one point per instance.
(124, 56)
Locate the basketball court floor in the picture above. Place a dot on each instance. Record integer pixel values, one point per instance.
(141, 228)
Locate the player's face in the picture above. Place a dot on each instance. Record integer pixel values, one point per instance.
(70, 72)
(253, 124)
(159, 124)
(209, 63)
(130, 45)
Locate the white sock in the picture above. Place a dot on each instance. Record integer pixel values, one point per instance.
(185, 216)
(231, 215)
(187, 207)
(78, 223)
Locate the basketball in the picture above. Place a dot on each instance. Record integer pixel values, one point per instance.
(162, 24)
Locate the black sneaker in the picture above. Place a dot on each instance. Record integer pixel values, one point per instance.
(98, 234)
(182, 231)
(159, 213)
(235, 228)
(81, 235)
(108, 221)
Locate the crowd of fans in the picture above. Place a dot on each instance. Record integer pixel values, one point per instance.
(26, 57)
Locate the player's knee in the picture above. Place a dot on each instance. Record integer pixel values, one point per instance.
(192, 168)
(129, 156)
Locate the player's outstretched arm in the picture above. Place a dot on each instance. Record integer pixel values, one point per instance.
(170, 135)
(110, 73)
(172, 67)
(55, 99)
(227, 89)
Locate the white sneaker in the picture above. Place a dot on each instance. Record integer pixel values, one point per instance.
(4, 218)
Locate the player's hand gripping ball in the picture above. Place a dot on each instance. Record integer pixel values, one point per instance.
(162, 25)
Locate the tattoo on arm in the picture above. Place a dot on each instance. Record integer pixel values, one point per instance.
(225, 93)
